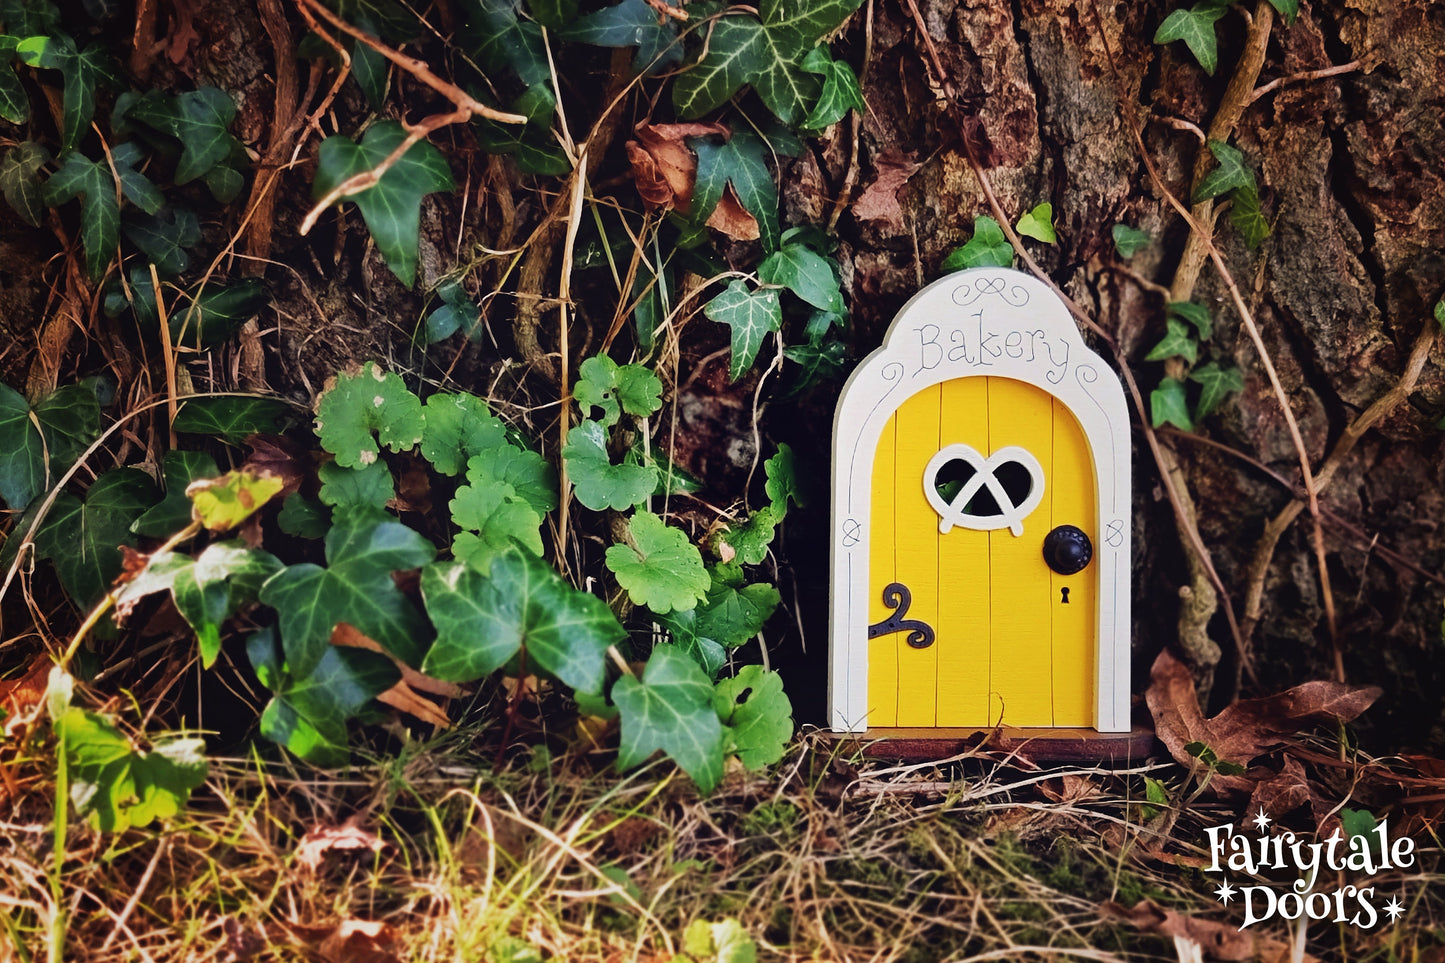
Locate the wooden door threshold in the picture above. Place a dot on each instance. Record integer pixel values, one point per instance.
(1084, 746)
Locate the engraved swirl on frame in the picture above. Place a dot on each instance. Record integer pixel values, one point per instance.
(1015, 295)
(1087, 376)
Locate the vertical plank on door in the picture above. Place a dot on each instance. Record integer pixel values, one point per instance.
(963, 617)
(917, 554)
(1022, 415)
(1074, 625)
(882, 651)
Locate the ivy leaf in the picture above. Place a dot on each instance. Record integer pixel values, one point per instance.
(1218, 383)
(1178, 342)
(553, 14)
(1246, 216)
(740, 161)
(748, 542)
(356, 588)
(1289, 9)
(1168, 405)
(304, 517)
(83, 538)
(524, 604)
(527, 473)
(164, 238)
(456, 427)
(358, 404)
(1129, 241)
(82, 71)
(392, 206)
(782, 481)
(682, 628)
(495, 33)
(356, 491)
(661, 569)
(1195, 313)
(816, 362)
(631, 23)
(115, 785)
(217, 312)
(173, 513)
(1039, 224)
(14, 103)
(1440, 312)
(61, 425)
(671, 709)
(221, 504)
(757, 714)
(616, 388)
(20, 178)
(987, 248)
(1195, 27)
(99, 210)
(535, 152)
(598, 483)
(722, 942)
(732, 612)
(841, 92)
(232, 419)
(807, 274)
(200, 119)
(1231, 174)
(752, 315)
(499, 517)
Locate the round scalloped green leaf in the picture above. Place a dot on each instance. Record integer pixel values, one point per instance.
(616, 388)
(533, 479)
(350, 490)
(498, 517)
(457, 427)
(671, 709)
(661, 569)
(757, 713)
(360, 404)
(598, 483)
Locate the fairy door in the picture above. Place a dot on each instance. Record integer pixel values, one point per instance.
(980, 547)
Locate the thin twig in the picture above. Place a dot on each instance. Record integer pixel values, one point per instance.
(1307, 75)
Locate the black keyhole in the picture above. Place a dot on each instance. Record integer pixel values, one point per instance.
(1065, 592)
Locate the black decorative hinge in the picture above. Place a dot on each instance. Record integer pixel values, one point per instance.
(896, 596)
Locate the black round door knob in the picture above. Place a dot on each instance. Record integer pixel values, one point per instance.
(1067, 550)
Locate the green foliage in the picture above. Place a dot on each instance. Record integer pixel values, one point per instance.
(1247, 217)
(1195, 313)
(455, 428)
(93, 183)
(1168, 404)
(198, 320)
(356, 491)
(782, 483)
(631, 23)
(1217, 383)
(721, 942)
(738, 161)
(1208, 757)
(806, 273)
(200, 119)
(1195, 26)
(598, 483)
(1231, 174)
(232, 419)
(987, 248)
(1129, 241)
(14, 104)
(840, 93)
(757, 715)
(164, 238)
(496, 517)
(1178, 341)
(173, 513)
(749, 541)
(391, 206)
(221, 504)
(20, 178)
(1039, 224)
(1289, 9)
(80, 536)
(671, 709)
(660, 569)
(616, 388)
(359, 404)
(457, 313)
(82, 73)
(39, 443)
(752, 314)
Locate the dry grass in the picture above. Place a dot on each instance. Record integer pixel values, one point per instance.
(823, 859)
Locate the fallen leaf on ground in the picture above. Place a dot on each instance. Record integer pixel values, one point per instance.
(348, 837)
(404, 698)
(1220, 941)
(879, 200)
(281, 458)
(348, 635)
(350, 941)
(733, 219)
(662, 165)
(22, 693)
(1283, 792)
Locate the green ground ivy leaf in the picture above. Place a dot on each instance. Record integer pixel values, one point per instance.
(83, 538)
(1039, 224)
(1195, 27)
(1231, 174)
(749, 541)
(614, 388)
(1178, 342)
(392, 206)
(200, 119)
(173, 513)
(671, 709)
(482, 622)
(740, 161)
(536, 152)
(751, 315)
(987, 248)
(164, 238)
(496, 517)
(815, 362)
(631, 23)
(500, 39)
(358, 404)
(1247, 217)
(14, 102)
(117, 786)
(661, 569)
(732, 612)
(722, 942)
(1218, 383)
(20, 179)
(356, 491)
(806, 273)
(232, 419)
(1195, 313)
(531, 477)
(62, 424)
(455, 428)
(1168, 405)
(757, 714)
(1129, 241)
(82, 71)
(840, 94)
(99, 211)
(356, 588)
(597, 482)
(782, 483)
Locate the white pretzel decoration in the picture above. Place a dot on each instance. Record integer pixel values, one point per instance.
(1011, 516)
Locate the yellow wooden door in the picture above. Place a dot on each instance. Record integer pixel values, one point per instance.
(970, 626)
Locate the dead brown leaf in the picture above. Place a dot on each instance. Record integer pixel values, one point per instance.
(879, 200)
(348, 837)
(1284, 792)
(733, 219)
(23, 693)
(350, 941)
(281, 458)
(349, 636)
(1220, 941)
(663, 166)
(1248, 728)
(404, 698)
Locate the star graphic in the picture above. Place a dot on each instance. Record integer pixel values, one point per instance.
(1225, 892)
(1261, 820)
(1395, 908)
